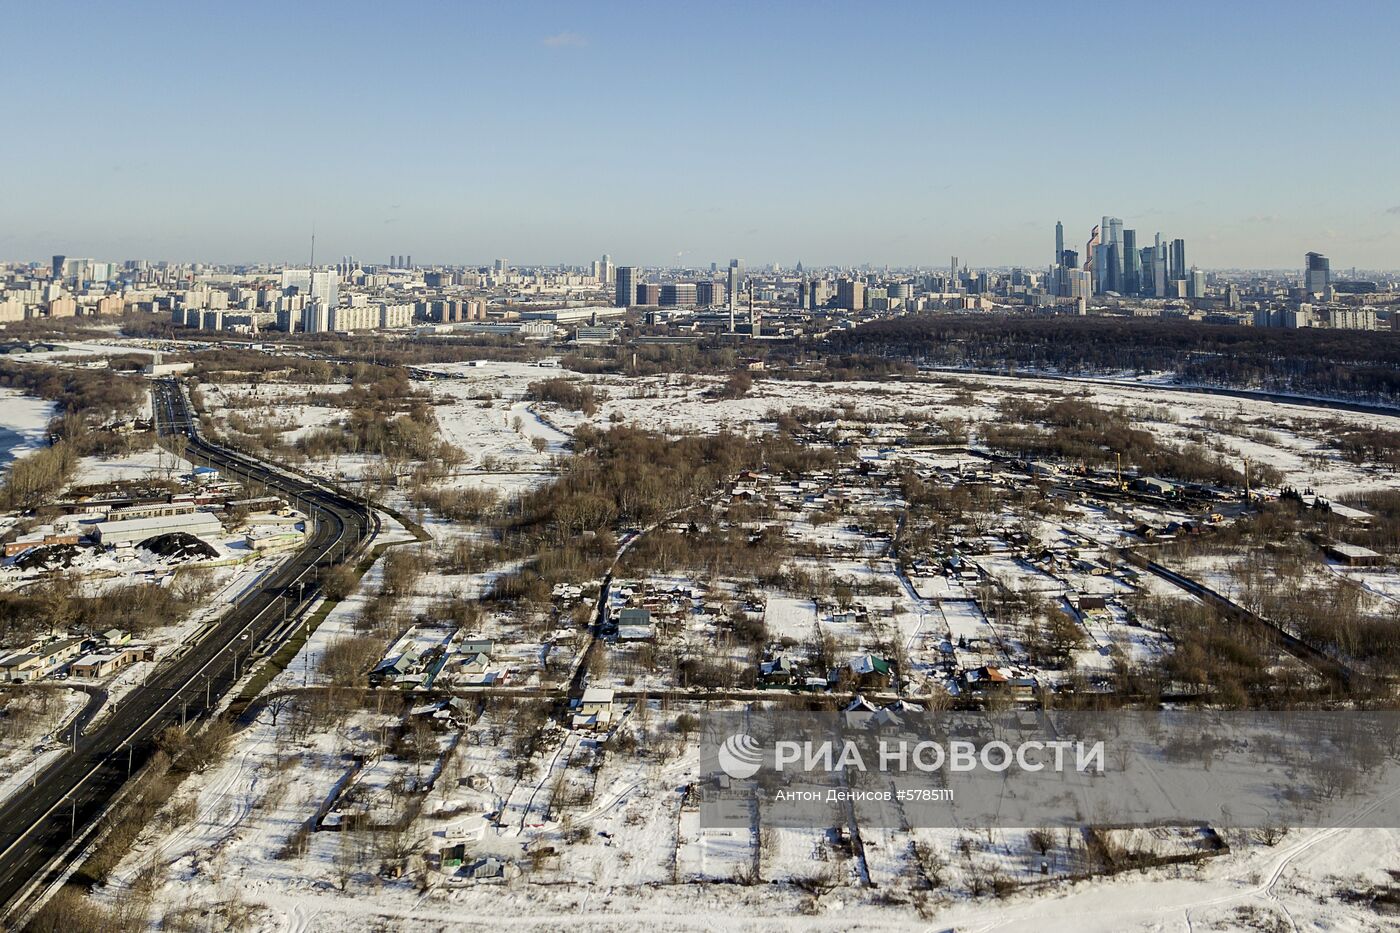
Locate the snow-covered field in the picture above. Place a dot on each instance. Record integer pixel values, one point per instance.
(23, 423)
(603, 837)
(481, 410)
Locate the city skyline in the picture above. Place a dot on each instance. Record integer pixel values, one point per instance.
(716, 269)
(480, 132)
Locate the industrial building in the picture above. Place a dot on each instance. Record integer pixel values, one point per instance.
(127, 532)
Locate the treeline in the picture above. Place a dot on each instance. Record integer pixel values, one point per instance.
(781, 360)
(619, 479)
(58, 604)
(87, 401)
(236, 364)
(413, 435)
(1378, 446)
(37, 476)
(1081, 432)
(98, 396)
(388, 416)
(423, 350)
(1277, 568)
(1344, 364)
(566, 393)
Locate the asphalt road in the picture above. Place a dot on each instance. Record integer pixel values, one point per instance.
(38, 823)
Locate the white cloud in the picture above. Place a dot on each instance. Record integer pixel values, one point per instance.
(563, 40)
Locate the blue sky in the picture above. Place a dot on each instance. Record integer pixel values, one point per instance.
(823, 132)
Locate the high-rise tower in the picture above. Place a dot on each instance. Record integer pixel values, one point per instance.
(1317, 273)
(1132, 267)
(626, 290)
(1176, 267)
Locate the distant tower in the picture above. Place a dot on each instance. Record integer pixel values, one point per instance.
(1059, 242)
(1091, 254)
(1318, 273)
(626, 286)
(1177, 266)
(1132, 265)
(735, 282)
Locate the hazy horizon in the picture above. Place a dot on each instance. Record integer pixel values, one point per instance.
(833, 135)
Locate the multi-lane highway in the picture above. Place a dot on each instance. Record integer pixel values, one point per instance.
(43, 826)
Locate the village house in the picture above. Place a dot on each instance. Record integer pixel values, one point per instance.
(989, 678)
(594, 710)
(871, 672)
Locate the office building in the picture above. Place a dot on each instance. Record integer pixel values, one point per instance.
(1196, 284)
(1176, 265)
(1093, 256)
(1317, 274)
(1111, 267)
(1132, 264)
(1111, 239)
(678, 294)
(649, 294)
(626, 290)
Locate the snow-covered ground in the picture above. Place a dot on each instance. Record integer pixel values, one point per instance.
(608, 839)
(151, 463)
(23, 423)
(481, 410)
(37, 731)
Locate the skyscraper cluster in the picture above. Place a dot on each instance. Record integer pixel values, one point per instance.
(1115, 264)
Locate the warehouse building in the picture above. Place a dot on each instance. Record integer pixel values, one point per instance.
(125, 533)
